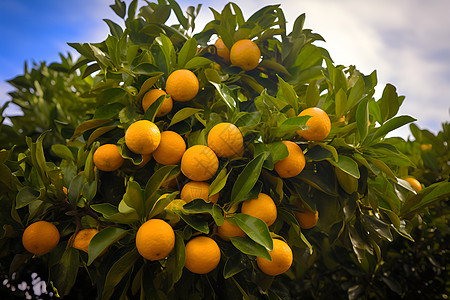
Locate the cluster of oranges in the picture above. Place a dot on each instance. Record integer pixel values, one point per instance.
(155, 239)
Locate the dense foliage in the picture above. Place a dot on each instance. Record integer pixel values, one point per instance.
(372, 223)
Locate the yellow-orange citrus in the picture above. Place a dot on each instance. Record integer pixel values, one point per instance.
(145, 159)
(281, 259)
(155, 239)
(40, 237)
(307, 219)
(319, 124)
(293, 164)
(245, 54)
(426, 147)
(170, 149)
(199, 163)
(153, 95)
(414, 183)
(197, 190)
(222, 51)
(142, 137)
(107, 158)
(226, 140)
(262, 207)
(182, 85)
(202, 255)
(227, 230)
(83, 238)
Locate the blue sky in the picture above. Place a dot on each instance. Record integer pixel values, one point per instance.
(406, 41)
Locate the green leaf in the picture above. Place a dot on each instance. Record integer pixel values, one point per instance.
(183, 114)
(226, 94)
(64, 273)
(168, 50)
(380, 227)
(75, 188)
(197, 62)
(340, 81)
(234, 265)
(62, 151)
(390, 125)
(99, 132)
(103, 240)
(118, 271)
(247, 179)
(88, 125)
(187, 52)
(108, 111)
(312, 94)
(180, 16)
(160, 204)
(340, 102)
(255, 228)
(198, 206)
(356, 93)
(219, 182)
(195, 222)
(362, 119)
(119, 7)
(155, 181)
(150, 113)
(115, 29)
(25, 196)
(250, 247)
(287, 93)
(388, 103)
(176, 259)
(320, 176)
(133, 197)
(425, 198)
(148, 84)
(247, 119)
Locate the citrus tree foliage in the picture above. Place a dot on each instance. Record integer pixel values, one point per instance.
(352, 178)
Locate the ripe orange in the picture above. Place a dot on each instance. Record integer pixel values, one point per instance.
(226, 140)
(155, 239)
(145, 159)
(182, 85)
(202, 255)
(245, 54)
(228, 230)
(293, 164)
(83, 238)
(107, 158)
(170, 149)
(426, 147)
(262, 207)
(142, 137)
(222, 51)
(319, 124)
(40, 237)
(199, 163)
(197, 190)
(281, 259)
(153, 95)
(307, 219)
(414, 183)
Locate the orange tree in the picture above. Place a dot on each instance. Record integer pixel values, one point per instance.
(273, 160)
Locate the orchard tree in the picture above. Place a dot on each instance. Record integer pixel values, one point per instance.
(223, 164)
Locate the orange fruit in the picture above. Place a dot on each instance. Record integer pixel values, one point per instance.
(40, 237)
(319, 124)
(281, 259)
(197, 190)
(262, 207)
(155, 239)
(222, 51)
(426, 147)
(199, 163)
(245, 54)
(293, 164)
(145, 159)
(142, 137)
(170, 149)
(226, 140)
(83, 238)
(414, 183)
(182, 85)
(307, 219)
(153, 95)
(202, 255)
(227, 230)
(107, 158)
